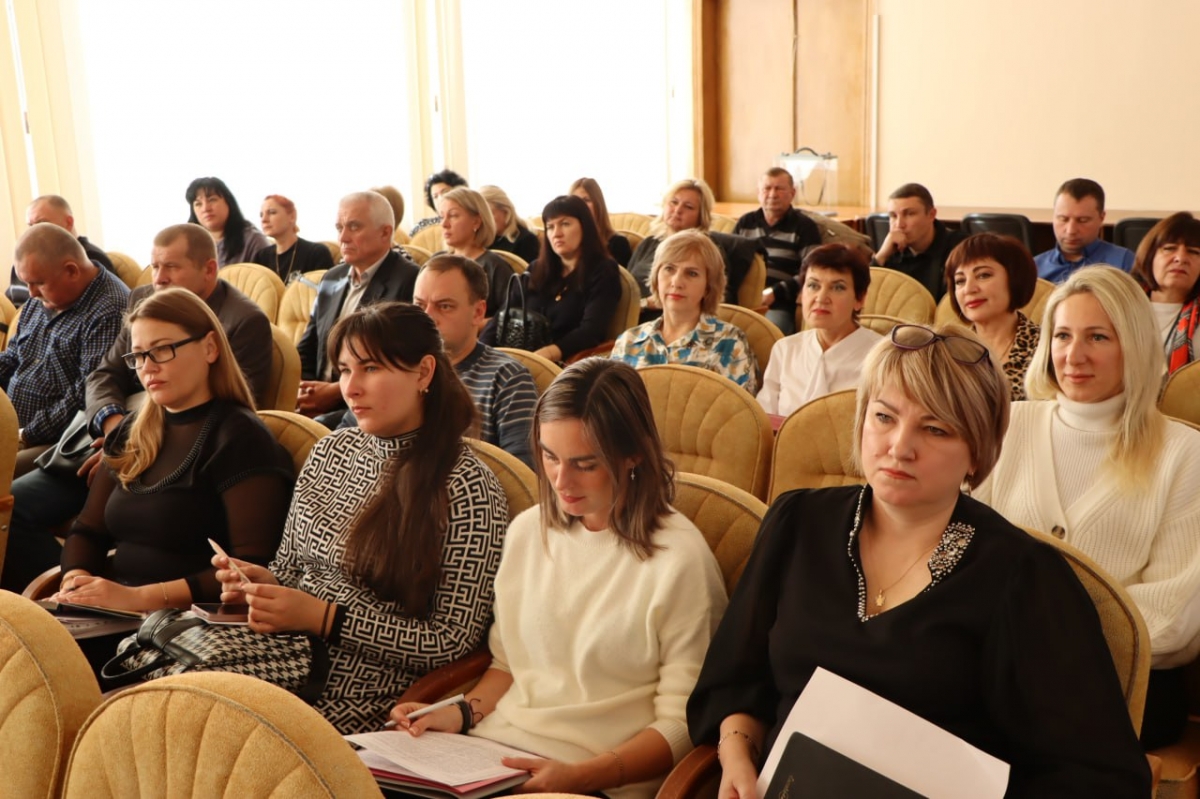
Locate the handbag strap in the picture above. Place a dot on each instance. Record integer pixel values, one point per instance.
(318, 671)
(156, 634)
(504, 314)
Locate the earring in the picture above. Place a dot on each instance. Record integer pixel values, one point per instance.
(632, 475)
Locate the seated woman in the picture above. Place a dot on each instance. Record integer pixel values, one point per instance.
(1099, 466)
(214, 207)
(194, 463)
(573, 283)
(468, 229)
(827, 355)
(291, 255)
(989, 278)
(1167, 266)
(687, 281)
(436, 185)
(922, 595)
(596, 688)
(512, 234)
(394, 535)
(588, 190)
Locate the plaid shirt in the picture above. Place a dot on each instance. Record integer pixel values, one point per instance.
(45, 368)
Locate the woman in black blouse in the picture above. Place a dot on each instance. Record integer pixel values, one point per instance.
(290, 255)
(922, 595)
(214, 207)
(573, 283)
(194, 463)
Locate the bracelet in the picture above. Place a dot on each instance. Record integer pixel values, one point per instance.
(749, 740)
(620, 768)
(166, 599)
(325, 620)
(468, 717)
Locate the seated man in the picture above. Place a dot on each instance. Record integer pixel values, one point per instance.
(55, 210)
(453, 290)
(783, 233)
(917, 243)
(74, 314)
(371, 272)
(1078, 221)
(184, 256)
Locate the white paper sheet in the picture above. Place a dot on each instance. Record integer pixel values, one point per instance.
(442, 757)
(889, 739)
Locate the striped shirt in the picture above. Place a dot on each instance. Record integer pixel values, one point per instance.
(782, 245)
(712, 344)
(505, 394)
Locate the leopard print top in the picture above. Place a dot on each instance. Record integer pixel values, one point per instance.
(1020, 354)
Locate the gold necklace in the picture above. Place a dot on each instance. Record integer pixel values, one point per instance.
(880, 595)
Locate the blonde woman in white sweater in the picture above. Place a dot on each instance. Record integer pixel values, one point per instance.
(606, 599)
(1098, 465)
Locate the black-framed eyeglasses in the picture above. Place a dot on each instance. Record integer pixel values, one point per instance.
(960, 348)
(160, 354)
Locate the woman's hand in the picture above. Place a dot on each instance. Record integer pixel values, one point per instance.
(550, 352)
(739, 777)
(231, 582)
(276, 609)
(548, 776)
(446, 719)
(84, 589)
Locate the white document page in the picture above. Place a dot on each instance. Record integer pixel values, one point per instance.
(443, 757)
(889, 739)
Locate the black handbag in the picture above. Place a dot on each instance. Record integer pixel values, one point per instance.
(520, 328)
(65, 458)
(172, 641)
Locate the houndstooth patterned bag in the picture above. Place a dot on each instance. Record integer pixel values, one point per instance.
(173, 641)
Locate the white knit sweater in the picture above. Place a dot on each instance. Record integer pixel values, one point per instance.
(601, 645)
(1147, 537)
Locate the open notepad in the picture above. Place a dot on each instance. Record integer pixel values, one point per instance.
(90, 621)
(438, 764)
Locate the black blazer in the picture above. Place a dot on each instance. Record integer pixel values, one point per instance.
(394, 281)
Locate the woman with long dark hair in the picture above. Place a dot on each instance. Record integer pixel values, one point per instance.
(395, 531)
(214, 207)
(588, 190)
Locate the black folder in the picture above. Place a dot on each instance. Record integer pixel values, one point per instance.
(809, 769)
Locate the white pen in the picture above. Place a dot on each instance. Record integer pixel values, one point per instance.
(425, 711)
(217, 548)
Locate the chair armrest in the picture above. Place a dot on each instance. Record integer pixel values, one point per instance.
(690, 774)
(44, 585)
(600, 350)
(450, 679)
(1156, 765)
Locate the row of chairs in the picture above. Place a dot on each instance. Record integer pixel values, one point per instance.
(1127, 233)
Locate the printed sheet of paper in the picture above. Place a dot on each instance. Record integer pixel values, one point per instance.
(440, 756)
(889, 739)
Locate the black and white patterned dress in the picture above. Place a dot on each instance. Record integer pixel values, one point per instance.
(376, 651)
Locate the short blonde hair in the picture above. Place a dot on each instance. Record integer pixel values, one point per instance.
(659, 229)
(972, 399)
(498, 197)
(473, 203)
(692, 244)
(1141, 427)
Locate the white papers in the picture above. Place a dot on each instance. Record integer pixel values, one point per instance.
(888, 739)
(441, 756)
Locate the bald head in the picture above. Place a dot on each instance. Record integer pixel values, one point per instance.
(54, 265)
(53, 209)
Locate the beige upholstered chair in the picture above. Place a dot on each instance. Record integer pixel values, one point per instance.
(401, 236)
(626, 315)
(835, 232)
(335, 250)
(211, 734)
(711, 426)
(634, 239)
(294, 432)
(896, 294)
(722, 223)
(429, 239)
(634, 223)
(1181, 396)
(879, 323)
(47, 692)
(296, 305)
(284, 383)
(13, 323)
(1033, 309)
(8, 461)
(518, 480)
(760, 331)
(8, 316)
(813, 446)
(419, 254)
(519, 264)
(543, 370)
(258, 283)
(750, 293)
(146, 277)
(127, 268)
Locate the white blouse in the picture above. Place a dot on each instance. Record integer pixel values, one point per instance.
(800, 371)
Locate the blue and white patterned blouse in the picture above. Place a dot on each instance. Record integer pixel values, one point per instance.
(713, 345)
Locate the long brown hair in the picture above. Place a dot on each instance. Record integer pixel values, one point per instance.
(610, 399)
(395, 546)
(599, 207)
(179, 307)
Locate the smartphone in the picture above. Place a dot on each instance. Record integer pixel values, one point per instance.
(222, 613)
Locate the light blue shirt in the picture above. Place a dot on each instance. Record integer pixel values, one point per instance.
(1052, 266)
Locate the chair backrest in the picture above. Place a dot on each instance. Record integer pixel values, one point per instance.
(212, 734)
(12, 326)
(335, 250)
(519, 264)
(258, 283)
(296, 305)
(893, 293)
(878, 226)
(835, 232)
(813, 446)
(710, 425)
(146, 277)
(127, 268)
(400, 236)
(284, 382)
(880, 323)
(944, 315)
(634, 223)
(8, 315)
(429, 238)
(419, 254)
(543, 370)
(518, 480)
(1128, 233)
(1015, 225)
(722, 223)
(760, 332)
(750, 293)
(628, 307)
(294, 432)
(634, 239)
(728, 517)
(46, 694)
(1181, 396)
(9, 427)
(1124, 628)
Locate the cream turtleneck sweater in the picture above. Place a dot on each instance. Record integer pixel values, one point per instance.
(1147, 536)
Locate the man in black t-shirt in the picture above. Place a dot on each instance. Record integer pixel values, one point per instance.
(917, 243)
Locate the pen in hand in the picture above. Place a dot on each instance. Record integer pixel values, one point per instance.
(425, 711)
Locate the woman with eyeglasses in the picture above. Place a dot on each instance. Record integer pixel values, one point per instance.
(922, 595)
(1099, 466)
(193, 463)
